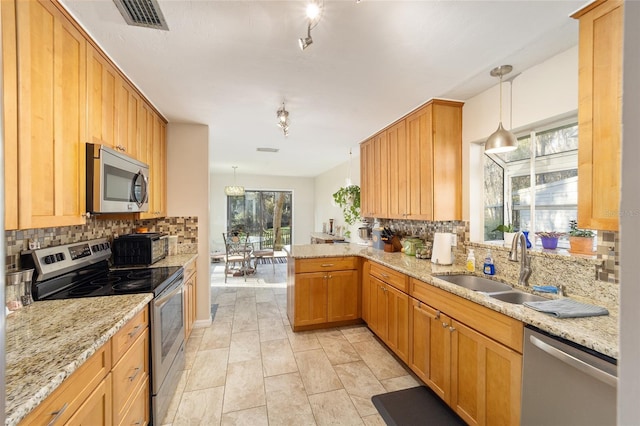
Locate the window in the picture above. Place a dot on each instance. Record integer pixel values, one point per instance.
(539, 181)
(255, 213)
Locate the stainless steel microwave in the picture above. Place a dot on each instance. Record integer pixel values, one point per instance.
(116, 183)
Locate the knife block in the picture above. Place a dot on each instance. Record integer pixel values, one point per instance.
(392, 245)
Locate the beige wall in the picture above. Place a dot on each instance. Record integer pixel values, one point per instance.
(328, 183)
(188, 195)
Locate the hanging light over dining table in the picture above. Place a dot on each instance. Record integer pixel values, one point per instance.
(234, 190)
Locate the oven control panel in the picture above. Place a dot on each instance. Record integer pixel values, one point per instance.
(57, 260)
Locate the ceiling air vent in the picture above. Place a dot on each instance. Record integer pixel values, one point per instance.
(142, 13)
(267, 149)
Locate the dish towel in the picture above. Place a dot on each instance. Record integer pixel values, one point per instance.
(567, 308)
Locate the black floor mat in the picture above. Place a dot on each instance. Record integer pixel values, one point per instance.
(413, 407)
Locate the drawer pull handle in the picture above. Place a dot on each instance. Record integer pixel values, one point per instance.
(135, 330)
(58, 413)
(384, 275)
(135, 373)
(327, 265)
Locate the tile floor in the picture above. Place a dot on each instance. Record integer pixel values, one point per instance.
(249, 368)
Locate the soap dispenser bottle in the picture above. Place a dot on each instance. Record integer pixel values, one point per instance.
(489, 268)
(471, 261)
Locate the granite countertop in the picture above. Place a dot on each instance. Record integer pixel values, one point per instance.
(597, 333)
(175, 260)
(48, 340)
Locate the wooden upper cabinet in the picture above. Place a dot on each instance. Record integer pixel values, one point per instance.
(419, 174)
(599, 114)
(155, 155)
(397, 160)
(367, 170)
(51, 117)
(10, 109)
(102, 82)
(128, 104)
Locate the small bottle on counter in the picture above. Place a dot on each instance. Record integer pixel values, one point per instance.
(471, 261)
(489, 267)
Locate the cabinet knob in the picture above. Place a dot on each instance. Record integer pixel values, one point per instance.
(445, 325)
(452, 329)
(437, 314)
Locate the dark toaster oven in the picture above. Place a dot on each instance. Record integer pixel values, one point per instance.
(140, 249)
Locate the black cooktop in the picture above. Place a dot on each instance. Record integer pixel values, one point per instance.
(98, 280)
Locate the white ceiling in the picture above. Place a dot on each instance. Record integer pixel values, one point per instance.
(230, 64)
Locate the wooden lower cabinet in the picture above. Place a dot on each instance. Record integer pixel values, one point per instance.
(323, 291)
(96, 409)
(388, 314)
(110, 388)
(189, 307)
(485, 378)
(479, 378)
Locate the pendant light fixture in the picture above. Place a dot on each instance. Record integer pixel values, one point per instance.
(314, 11)
(501, 140)
(283, 120)
(234, 190)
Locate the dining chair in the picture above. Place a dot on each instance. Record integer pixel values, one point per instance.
(261, 253)
(237, 254)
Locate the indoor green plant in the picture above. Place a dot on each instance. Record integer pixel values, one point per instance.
(348, 199)
(580, 240)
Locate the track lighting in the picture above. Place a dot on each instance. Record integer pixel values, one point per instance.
(305, 42)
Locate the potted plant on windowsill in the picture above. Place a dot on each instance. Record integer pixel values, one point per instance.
(550, 239)
(580, 240)
(509, 233)
(348, 199)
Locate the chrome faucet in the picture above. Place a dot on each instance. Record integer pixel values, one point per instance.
(525, 259)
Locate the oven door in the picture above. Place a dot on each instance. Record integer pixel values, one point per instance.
(167, 331)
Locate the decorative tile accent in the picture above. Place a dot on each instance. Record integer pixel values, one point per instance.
(186, 228)
(609, 251)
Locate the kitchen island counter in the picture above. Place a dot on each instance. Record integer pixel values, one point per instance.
(49, 340)
(597, 333)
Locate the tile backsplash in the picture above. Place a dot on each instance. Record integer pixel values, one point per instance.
(186, 228)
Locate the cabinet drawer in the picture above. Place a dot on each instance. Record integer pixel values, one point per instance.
(326, 264)
(138, 413)
(492, 324)
(189, 269)
(129, 373)
(123, 339)
(389, 276)
(73, 392)
(96, 409)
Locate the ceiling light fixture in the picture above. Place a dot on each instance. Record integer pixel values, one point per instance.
(283, 120)
(314, 13)
(305, 42)
(501, 140)
(234, 190)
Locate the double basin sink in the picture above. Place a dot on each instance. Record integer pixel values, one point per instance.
(495, 289)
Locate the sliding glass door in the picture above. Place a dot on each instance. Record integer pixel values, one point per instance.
(264, 215)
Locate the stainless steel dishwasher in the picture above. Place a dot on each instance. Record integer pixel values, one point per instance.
(566, 384)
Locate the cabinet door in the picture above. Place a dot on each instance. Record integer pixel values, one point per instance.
(128, 375)
(96, 409)
(52, 117)
(155, 155)
(10, 110)
(366, 292)
(367, 178)
(485, 379)
(398, 157)
(420, 159)
(310, 299)
(379, 309)
(430, 347)
(446, 123)
(102, 82)
(599, 115)
(398, 322)
(381, 172)
(128, 104)
(342, 293)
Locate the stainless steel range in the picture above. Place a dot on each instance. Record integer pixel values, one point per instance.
(82, 270)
